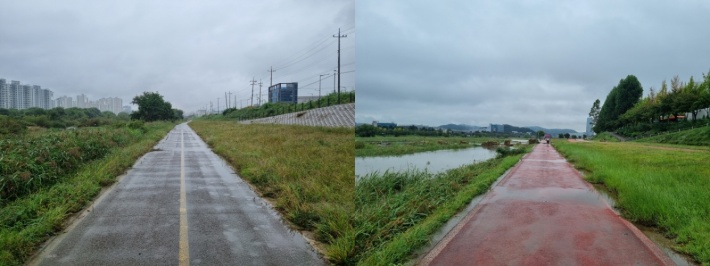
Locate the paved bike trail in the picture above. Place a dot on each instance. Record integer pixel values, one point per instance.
(179, 205)
(543, 213)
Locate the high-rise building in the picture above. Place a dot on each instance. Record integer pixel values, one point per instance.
(4, 94)
(64, 102)
(15, 94)
(497, 128)
(82, 101)
(26, 96)
(46, 99)
(36, 96)
(283, 93)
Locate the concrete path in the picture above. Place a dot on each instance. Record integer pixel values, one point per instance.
(180, 205)
(332, 116)
(543, 213)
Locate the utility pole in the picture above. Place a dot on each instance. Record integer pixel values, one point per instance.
(334, 80)
(339, 36)
(319, 79)
(253, 82)
(230, 100)
(260, 92)
(217, 104)
(226, 101)
(271, 81)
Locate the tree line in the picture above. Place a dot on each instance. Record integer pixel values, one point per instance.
(625, 108)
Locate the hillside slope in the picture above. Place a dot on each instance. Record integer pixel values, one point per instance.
(696, 136)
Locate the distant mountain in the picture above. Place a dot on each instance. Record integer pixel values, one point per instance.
(553, 131)
(510, 129)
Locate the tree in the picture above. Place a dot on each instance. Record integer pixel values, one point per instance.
(152, 107)
(594, 112)
(704, 99)
(566, 135)
(177, 114)
(541, 133)
(366, 130)
(108, 114)
(620, 99)
(92, 112)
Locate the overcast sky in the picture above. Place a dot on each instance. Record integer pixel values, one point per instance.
(523, 63)
(191, 52)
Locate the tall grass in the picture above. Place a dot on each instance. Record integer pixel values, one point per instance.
(32, 162)
(655, 186)
(30, 219)
(397, 212)
(307, 172)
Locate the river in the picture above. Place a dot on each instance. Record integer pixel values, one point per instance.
(432, 161)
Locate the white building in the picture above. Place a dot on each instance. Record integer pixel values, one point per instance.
(589, 131)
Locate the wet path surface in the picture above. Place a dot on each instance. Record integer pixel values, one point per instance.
(543, 213)
(180, 205)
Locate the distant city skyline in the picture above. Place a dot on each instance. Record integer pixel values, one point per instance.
(17, 95)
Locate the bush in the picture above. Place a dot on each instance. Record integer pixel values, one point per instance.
(506, 151)
(11, 126)
(138, 124)
(359, 145)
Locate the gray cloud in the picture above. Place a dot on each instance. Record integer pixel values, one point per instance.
(522, 63)
(190, 51)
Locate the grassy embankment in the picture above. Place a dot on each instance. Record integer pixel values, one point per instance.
(695, 137)
(605, 137)
(655, 185)
(47, 176)
(396, 213)
(373, 146)
(307, 172)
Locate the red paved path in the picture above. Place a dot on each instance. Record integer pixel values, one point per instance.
(543, 213)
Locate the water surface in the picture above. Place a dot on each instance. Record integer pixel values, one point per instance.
(432, 161)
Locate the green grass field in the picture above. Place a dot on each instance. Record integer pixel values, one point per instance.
(396, 213)
(28, 219)
(307, 172)
(663, 186)
(382, 146)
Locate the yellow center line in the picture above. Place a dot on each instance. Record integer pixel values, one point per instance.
(184, 253)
